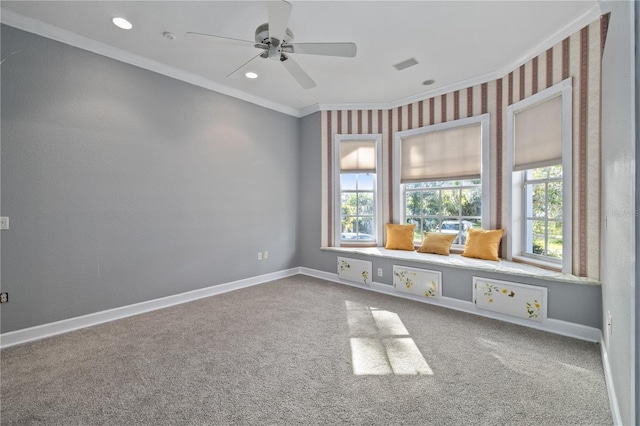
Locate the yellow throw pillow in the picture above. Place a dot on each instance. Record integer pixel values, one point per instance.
(483, 244)
(436, 242)
(400, 237)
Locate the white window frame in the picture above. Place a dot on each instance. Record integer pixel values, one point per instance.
(527, 236)
(459, 241)
(485, 175)
(515, 233)
(377, 197)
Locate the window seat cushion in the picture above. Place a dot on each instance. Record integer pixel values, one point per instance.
(458, 261)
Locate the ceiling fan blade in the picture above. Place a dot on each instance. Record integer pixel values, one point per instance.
(299, 74)
(279, 13)
(201, 36)
(347, 50)
(243, 65)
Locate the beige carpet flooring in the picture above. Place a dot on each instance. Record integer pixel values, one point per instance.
(303, 351)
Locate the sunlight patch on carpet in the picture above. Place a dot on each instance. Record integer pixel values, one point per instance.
(381, 344)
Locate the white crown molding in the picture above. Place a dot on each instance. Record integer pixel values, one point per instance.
(311, 109)
(34, 26)
(593, 13)
(40, 28)
(403, 101)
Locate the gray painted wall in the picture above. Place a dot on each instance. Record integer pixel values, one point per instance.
(311, 194)
(618, 202)
(124, 186)
(637, 228)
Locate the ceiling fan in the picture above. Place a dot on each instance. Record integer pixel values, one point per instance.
(275, 42)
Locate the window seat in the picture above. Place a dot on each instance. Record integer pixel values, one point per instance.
(458, 261)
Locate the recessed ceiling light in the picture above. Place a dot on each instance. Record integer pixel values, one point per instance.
(251, 74)
(122, 23)
(428, 82)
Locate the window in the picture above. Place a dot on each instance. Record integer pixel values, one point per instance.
(543, 212)
(539, 161)
(438, 170)
(450, 207)
(357, 217)
(358, 206)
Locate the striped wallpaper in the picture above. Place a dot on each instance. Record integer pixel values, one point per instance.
(578, 56)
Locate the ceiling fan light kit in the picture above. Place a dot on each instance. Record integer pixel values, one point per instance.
(275, 40)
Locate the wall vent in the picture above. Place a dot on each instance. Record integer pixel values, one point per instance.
(405, 64)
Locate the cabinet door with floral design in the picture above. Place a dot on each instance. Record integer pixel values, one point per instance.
(417, 281)
(518, 300)
(354, 270)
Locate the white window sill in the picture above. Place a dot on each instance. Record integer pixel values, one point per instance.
(538, 262)
(458, 261)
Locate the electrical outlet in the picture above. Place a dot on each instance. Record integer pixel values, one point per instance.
(4, 223)
(259, 255)
(265, 255)
(379, 272)
(4, 297)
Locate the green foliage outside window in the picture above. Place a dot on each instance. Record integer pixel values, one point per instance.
(543, 207)
(448, 206)
(357, 207)
(357, 212)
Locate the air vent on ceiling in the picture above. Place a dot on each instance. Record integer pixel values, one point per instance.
(406, 64)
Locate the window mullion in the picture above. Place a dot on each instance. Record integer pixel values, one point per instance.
(546, 216)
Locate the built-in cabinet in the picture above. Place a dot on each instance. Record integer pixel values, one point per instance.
(518, 300)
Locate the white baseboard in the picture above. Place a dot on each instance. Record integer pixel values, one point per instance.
(51, 329)
(563, 328)
(47, 330)
(608, 378)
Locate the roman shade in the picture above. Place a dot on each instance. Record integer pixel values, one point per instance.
(358, 156)
(452, 153)
(538, 135)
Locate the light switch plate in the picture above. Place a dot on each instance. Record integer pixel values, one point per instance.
(4, 223)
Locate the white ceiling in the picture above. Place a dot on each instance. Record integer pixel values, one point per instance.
(456, 43)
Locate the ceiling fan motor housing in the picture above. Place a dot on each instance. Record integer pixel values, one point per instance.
(274, 45)
(262, 35)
